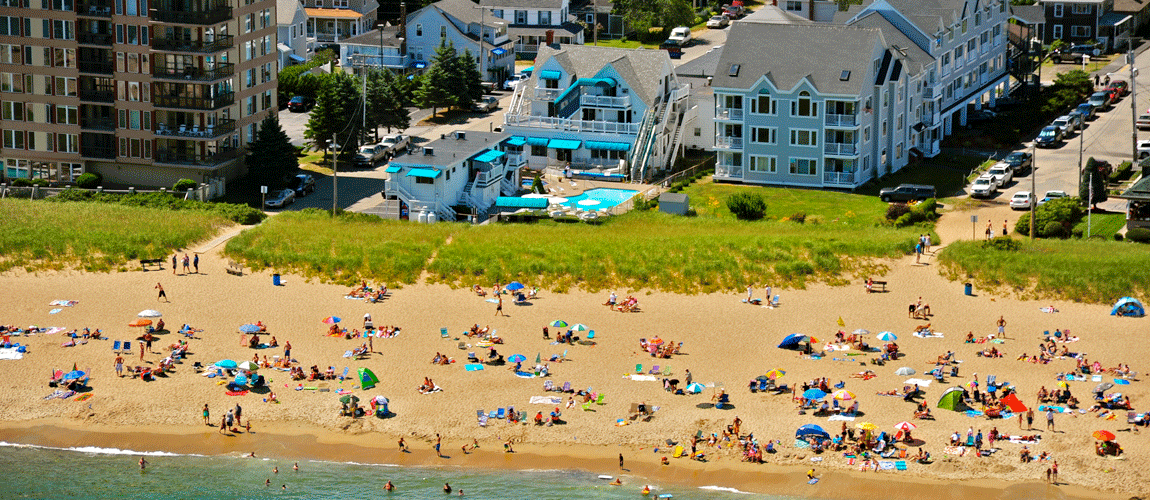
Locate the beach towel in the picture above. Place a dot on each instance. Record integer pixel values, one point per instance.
(1050, 309)
(955, 450)
(885, 465)
(1057, 409)
(55, 329)
(816, 459)
(525, 374)
(975, 413)
(343, 391)
(1019, 440)
(54, 311)
(835, 418)
(921, 383)
(928, 335)
(799, 443)
(11, 353)
(900, 465)
(64, 303)
(643, 378)
(473, 367)
(84, 397)
(492, 300)
(352, 298)
(546, 400)
(236, 393)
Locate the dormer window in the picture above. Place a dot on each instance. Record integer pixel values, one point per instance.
(734, 72)
(545, 17)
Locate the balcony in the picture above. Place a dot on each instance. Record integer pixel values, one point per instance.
(546, 94)
(840, 149)
(556, 123)
(85, 38)
(193, 73)
(220, 43)
(729, 142)
(94, 9)
(222, 127)
(97, 95)
(605, 101)
(189, 102)
(98, 67)
(833, 120)
(929, 92)
(104, 124)
(728, 171)
(169, 14)
(93, 151)
(843, 178)
(168, 157)
(729, 113)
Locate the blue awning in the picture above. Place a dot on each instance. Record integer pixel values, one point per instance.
(391, 169)
(536, 141)
(563, 144)
(516, 140)
(489, 156)
(427, 173)
(549, 75)
(297, 58)
(498, 51)
(529, 69)
(611, 146)
(419, 64)
(512, 202)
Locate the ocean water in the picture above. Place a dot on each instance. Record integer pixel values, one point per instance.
(97, 473)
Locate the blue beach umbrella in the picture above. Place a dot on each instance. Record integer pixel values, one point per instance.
(558, 324)
(887, 336)
(249, 328)
(226, 363)
(241, 379)
(811, 430)
(814, 394)
(793, 339)
(74, 375)
(514, 285)
(579, 327)
(517, 358)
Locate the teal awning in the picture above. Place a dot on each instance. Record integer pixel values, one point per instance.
(512, 202)
(516, 140)
(549, 75)
(590, 82)
(489, 156)
(528, 69)
(611, 146)
(537, 141)
(563, 144)
(427, 173)
(393, 169)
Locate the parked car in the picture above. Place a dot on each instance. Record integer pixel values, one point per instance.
(1001, 173)
(485, 105)
(1053, 195)
(303, 184)
(1019, 161)
(369, 154)
(1022, 200)
(1088, 111)
(514, 81)
(1121, 86)
(983, 187)
(1004, 103)
(1074, 53)
(280, 199)
(680, 36)
(980, 115)
(718, 22)
(1143, 149)
(735, 10)
(300, 104)
(906, 192)
(1063, 123)
(1100, 100)
(1143, 121)
(395, 143)
(1050, 136)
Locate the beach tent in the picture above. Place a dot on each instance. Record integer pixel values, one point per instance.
(811, 430)
(951, 399)
(367, 379)
(1128, 306)
(1011, 401)
(792, 340)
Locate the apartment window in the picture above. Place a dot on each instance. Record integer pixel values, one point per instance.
(123, 151)
(134, 91)
(267, 99)
(63, 30)
(763, 164)
(67, 115)
(11, 54)
(964, 26)
(249, 22)
(136, 153)
(419, 30)
(293, 35)
(1081, 8)
(804, 166)
(133, 63)
(539, 150)
(10, 25)
(1057, 33)
(958, 54)
(65, 5)
(147, 149)
(130, 8)
(950, 34)
(266, 16)
(866, 134)
(804, 137)
(65, 86)
(13, 111)
(804, 106)
(946, 60)
(250, 78)
(545, 17)
(1080, 32)
(898, 122)
(794, 5)
(977, 18)
(339, 4)
(971, 47)
(763, 135)
(1058, 10)
(13, 139)
(12, 82)
(266, 76)
(589, 18)
(732, 101)
(763, 104)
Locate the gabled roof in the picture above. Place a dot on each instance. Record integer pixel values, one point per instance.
(641, 69)
(286, 10)
(827, 51)
(773, 14)
(914, 59)
(1130, 6)
(465, 11)
(932, 15)
(390, 37)
(524, 4)
(1032, 14)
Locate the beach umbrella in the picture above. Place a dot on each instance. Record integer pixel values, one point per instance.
(74, 375)
(1103, 387)
(149, 313)
(140, 322)
(241, 379)
(1064, 384)
(514, 285)
(1121, 381)
(814, 394)
(862, 331)
(249, 328)
(887, 336)
(368, 380)
(762, 378)
(775, 374)
(331, 320)
(538, 358)
(811, 430)
(1104, 435)
(793, 339)
(558, 324)
(248, 365)
(381, 400)
(226, 363)
(517, 358)
(348, 399)
(579, 327)
(866, 426)
(905, 371)
(694, 388)
(843, 395)
(905, 426)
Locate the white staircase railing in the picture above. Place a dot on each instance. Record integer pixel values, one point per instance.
(679, 136)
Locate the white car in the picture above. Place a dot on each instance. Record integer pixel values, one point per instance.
(983, 187)
(514, 81)
(680, 36)
(1143, 149)
(718, 22)
(1001, 174)
(1022, 200)
(281, 199)
(1053, 195)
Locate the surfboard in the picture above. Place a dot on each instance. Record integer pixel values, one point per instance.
(666, 495)
(606, 477)
(813, 481)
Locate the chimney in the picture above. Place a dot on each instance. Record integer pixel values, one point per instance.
(428, 151)
(460, 135)
(550, 37)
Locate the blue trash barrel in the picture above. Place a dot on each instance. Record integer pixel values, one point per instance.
(969, 289)
(276, 282)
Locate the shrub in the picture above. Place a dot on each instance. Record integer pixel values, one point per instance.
(746, 205)
(40, 182)
(1139, 234)
(1003, 243)
(799, 217)
(239, 213)
(1052, 229)
(184, 185)
(89, 180)
(1123, 172)
(21, 182)
(1064, 211)
(896, 210)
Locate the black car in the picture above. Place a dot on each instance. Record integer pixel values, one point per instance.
(1074, 54)
(1019, 161)
(303, 184)
(906, 192)
(1049, 137)
(300, 104)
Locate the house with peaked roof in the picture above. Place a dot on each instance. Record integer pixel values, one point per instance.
(532, 23)
(291, 20)
(467, 26)
(334, 20)
(619, 112)
(1080, 21)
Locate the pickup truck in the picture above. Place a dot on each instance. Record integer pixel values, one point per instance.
(395, 143)
(680, 36)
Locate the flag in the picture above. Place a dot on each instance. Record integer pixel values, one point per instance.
(841, 323)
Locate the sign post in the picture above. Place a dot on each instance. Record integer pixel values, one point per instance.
(263, 196)
(974, 227)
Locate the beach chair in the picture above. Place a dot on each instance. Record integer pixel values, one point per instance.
(127, 347)
(654, 370)
(443, 333)
(344, 376)
(587, 406)
(724, 400)
(599, 400)
(590, 334)
(549, 386)
(482, 419)
(493, 414)
(511, 414)
(472, 357)
(667, 371)
(462, 345)
(116, 347)
(639, 368)
(566, 386)
(501, 414)
(836, 408)
(763, 387)
(775, 301)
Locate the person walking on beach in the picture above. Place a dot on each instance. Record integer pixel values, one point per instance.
(163, 294)
(119, 366)
(620, 460)
(1049, 419)
(918, 252)
(499, 308)
(989, 230)
(402, 445)
(196, 263)
(207, 414)
(224, 425)
(187, 264)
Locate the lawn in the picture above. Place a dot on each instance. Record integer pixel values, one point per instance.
(35, 235)
(1103, 225)
(827, 207)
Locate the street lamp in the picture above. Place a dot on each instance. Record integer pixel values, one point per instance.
(1033, 192)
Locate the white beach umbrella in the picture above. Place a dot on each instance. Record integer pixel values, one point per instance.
(905, 371)
(149, 313)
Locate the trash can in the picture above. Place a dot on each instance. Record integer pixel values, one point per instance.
(276, 282)
(969, 287)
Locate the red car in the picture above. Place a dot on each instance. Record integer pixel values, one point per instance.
(1121, 87)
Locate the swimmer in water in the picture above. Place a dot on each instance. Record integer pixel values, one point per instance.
(295, 466)
(143, 463)
(446, 488)
(618, 482)
(389, 486)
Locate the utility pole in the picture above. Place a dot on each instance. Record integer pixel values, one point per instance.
(1090, 205)
(1133, 103)
(1033, 193)
(335, 180)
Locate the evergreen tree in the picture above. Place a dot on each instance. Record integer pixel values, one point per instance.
(385, 106)
(1094, 173)
(467, 80)
(271, 157)
(336, 118)
(436, 90)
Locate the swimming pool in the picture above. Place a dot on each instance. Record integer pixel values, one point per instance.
(607, 198)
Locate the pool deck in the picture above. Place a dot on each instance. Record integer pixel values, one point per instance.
(557, 185)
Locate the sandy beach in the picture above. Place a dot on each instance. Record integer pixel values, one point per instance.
(726, 343)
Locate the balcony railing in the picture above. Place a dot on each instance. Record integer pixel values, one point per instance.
(546, 94)
(98, 67)
(374, 60)
(727, 170)
(729, 142)
(604, 101)
(86, 38)
(928, 92)
(215, 15)
(833, 120)
(98, 124)
(729, 113)
(97, 95)
(205, 160)
(847, 178)
(550, 122)
(94, 9)
(222, 70)
(222, 127)
(91, 151)
(220, 43)
(840, 149)
(189, 102)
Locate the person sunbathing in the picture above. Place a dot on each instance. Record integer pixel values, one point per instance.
(479, 290)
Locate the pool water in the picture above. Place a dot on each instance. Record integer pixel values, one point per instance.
(607, 198)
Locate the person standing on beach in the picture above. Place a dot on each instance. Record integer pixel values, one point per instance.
(174, 256)
(1004, 231)
(142, 344)
(918, 252)
(1020, 417)
(196, 263)
(163, 294)
(119, 366)
(239, 413)
(1049, 419)
(1002, 327)
(499, 308)
(689, 377)
(287, 351)
(989, 230)
(438, 442)
(187, 264)
(620, 460)
(206, 415)
(224, 425)
(1029, 419)
(1054, 469)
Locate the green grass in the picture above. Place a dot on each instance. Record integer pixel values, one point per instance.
(829, 207)
(1103, 225)
(35, 235)
(1094, 271)
(624, 44)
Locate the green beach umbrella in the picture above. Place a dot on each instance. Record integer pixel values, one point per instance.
(538, 358)
(366, 378)
(558, 324)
